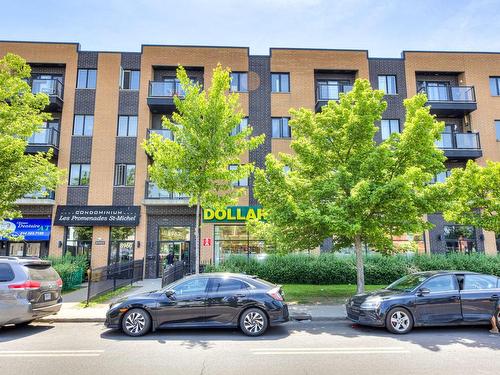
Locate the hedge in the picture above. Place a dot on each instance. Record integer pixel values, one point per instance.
(71, 269)
(335, 269)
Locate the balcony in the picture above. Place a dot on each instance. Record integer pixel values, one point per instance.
(44, 139)
(53, 88)
(156, 196)
(328, 91)
(451, 101)
(161, 96)
(42, 197)
(460, 146)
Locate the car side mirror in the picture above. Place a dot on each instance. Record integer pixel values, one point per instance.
(169, 292)
(423, 292)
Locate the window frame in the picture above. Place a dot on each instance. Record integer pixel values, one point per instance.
(281, 127)
(497, 130)
(238, 129)
(385, 78)
(454, 279)
(84, 125)
(80, 165)
(496, 79)
(238, 183)
(121, 178)
(471, 275)
(189, 281)
(128, 126)
(86, 70)
(390, 120)
(239, 89)
(131, 72)
(280, 75)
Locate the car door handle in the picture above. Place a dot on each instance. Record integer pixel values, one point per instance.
(199, 298)
(494, 297)
(454, 298)
(240, 295)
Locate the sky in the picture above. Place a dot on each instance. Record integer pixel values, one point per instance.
(383, 27)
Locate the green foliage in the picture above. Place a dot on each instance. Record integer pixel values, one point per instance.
(473, 196)
(20, 116)
(335, 269)
(71, 269)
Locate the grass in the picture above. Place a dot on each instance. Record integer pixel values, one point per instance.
(317, 294)
(104, 298)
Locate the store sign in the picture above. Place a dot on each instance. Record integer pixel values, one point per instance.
(28, 229)
(98, 216)
(207, 242)
(233, 214)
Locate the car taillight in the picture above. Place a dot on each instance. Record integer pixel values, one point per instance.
(275, 294)
(59, 283)
(28, 285)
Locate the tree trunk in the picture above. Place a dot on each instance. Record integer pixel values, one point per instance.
(197, 237)
(360, 268)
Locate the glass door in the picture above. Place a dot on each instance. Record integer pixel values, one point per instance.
(171, 252)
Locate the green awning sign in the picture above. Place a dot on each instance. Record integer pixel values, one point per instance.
(233, 214)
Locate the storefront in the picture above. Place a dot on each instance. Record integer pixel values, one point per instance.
(33, 237)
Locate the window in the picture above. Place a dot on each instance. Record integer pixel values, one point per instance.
(79, 174)
(121, 245)
(83, 125)
(387, 84)
(497, 129)
(239, 82)
(236, 240)
(475, 282)
(241, 126)
(78, 241)
(280, 82)
(441, 284)
(127, 126)
(281, 129)
(441, 177)
(387, 127)
(495, 86)
(286, 169)
(193, 286)
(86, 79)
(130, 79)
(460, 238)
(6, 273)
(226, 284)
(240, 183)
(124, 174)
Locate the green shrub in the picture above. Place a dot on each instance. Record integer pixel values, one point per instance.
(71, 269)
(336, 269)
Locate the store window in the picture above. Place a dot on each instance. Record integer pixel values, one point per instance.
(78, 241)
(173, 245)
(236, 240)
(121, 245)
(460, 238)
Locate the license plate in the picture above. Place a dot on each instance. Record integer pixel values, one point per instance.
(47, 296)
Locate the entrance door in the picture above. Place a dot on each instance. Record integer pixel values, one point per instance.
(179, 251)
(16, 249)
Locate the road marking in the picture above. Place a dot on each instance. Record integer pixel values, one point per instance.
(330, 348)
(357, 350)
(50, 353)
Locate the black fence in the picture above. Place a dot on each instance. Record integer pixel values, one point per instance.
(109, 278)
(174, 272)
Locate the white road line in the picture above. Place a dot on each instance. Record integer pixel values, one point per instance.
(49, 351)
(330, 348)
(50, 355)
(336, 352)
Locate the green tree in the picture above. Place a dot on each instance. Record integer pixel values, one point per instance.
(473, 196)
(20, 116)
(197, 162)
(344, 185)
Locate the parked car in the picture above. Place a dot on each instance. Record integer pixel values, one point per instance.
(29, 288)
(216, 300)
(434, 298)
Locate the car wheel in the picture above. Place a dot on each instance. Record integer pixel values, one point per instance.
(253, 322)
(136, 322)
(399, 321)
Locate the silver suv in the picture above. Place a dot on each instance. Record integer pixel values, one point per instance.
(29, 289)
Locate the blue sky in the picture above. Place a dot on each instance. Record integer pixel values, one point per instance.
(383, 27)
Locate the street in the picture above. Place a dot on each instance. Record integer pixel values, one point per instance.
(327, 347)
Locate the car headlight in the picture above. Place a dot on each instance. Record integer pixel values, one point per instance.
(113, 305)
(371, 303)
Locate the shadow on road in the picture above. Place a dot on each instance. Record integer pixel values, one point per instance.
(11, 333)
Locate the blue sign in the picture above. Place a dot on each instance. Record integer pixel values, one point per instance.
(29, 229)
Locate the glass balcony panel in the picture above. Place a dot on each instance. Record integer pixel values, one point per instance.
(41, 194)
(467, 140)
(446, 141)
(462, 94)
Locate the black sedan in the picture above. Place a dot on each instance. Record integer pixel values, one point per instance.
(428, 299)
(203, 301)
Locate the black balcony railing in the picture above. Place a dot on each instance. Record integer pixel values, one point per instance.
(154, 192)
(329, 91)
(165, 133)
(42, 194)
(458, 141)
(47, 136)
(446, 93)
(165, 89)
(51, 87)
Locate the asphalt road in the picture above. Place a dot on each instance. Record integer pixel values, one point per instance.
(334, 347)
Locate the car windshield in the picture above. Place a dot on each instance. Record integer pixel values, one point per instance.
(408, 282)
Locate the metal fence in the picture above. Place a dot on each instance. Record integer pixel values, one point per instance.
(173, 272)
(109, 278)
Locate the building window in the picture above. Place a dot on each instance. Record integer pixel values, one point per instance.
(130, 79)
(127, 126)
(286, 169)
(121, 245)
(281, 129)
(495, 86)
(240, 183)
(236, 240)
(241, 126)
(280, 82)
(239, 82)
(78, 241)
(460, 238)
(387, 84)
(174, 245)
(83, 125)
(441, 177)
(124, 174)
(497, 130)
(79, 174)
(388, 127)
(87, 79)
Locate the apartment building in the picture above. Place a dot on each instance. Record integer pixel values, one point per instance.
(104, 104)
